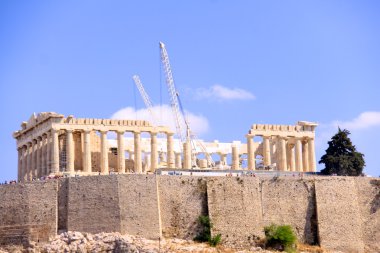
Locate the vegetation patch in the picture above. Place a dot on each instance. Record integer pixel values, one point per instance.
(205, 234)
(281, 237)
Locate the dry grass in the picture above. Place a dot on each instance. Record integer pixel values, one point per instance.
(310, 248)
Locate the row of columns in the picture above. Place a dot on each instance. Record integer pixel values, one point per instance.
(298, 155)
(40, 157)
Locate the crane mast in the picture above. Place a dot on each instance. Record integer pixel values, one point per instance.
(145, 97)
(173, 94)
(179, 115)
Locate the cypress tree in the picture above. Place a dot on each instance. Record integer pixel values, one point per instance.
(341, 157)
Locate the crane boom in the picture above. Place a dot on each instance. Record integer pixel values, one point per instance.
(179, 114)
(178, 117)
(145, 97)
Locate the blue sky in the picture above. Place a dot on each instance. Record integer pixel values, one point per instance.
(235, 63)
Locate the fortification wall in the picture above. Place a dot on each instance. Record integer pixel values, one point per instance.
(28, 212)
(139, 208)
(93, 204)
(62, 198)
(290, 201)
(339, 213)
(182, 201)
(235, 209)
(368, 191)
(339, 219)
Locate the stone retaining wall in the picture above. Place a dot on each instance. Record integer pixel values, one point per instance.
(339, 213)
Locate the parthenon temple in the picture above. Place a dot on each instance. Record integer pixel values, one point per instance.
(52, 144)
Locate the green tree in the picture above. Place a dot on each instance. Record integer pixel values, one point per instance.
(341, 157)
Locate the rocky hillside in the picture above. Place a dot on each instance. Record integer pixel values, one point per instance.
(115, 242)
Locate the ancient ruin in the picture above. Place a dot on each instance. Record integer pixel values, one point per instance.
(51, 144)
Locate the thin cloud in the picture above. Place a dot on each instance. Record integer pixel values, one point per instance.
(163, 115)
(364, 121)
(220, 92)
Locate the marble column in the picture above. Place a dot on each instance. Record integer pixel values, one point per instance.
(43, 156)
(103, 153)
(235, 158)
(178, 160)
(298, 154)
(19, 165)
(274, 149)
(266, 151)
(29, 162)
(283, 160)
(251, 153)
(87, 166)
(312, 161)
(137, 147)
(48, 153)
(305, 156)
(39, 157)
(153, 152)
(147, 163)
(24, 177)
(70, 153)
(223, 158)
(187, 155)
(292, 160)
(55, 151)
(34, 159)
(120, 152)
(170, 151)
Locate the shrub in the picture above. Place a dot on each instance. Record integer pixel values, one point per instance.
(280, 237)
(205, 234)
(215, 240)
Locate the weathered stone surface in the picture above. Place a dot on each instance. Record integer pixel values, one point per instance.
(239, 207)
(28, 212)
(291, 201)
(368, 190)
(93, 204)
(235, 209)
(139, 208)
(182, 201)
(63, 194)
(339, 219)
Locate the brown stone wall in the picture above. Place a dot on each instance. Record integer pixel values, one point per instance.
(234, 205)
(63, 195)
(93, 204)
(339, 218)
(139, 213)
(369, 205)
(291, 201)
(347, 209)
(182, 201)
(28, 212)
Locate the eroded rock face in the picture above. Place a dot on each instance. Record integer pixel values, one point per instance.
(115, 242)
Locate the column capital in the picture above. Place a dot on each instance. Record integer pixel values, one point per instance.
(120, 131)
(169, 134)
(69, 130)
(54, 130)
(103, 131)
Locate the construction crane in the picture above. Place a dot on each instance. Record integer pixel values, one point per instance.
(173, 94)
(145, 97)
(178, 112)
